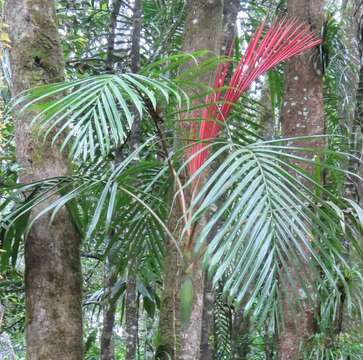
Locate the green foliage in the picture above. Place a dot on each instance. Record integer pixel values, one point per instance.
(265, 220)
(343, 347)
(97, 113)
(268, 212)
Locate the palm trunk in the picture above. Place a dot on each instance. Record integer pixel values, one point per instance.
(203, 30)
(132, 319)
(107, 344)
(109, 310)
(302, 115)
(131, 302)
(166, 349)
(109, 305)
(116, 6)
(131, 306)
(190, 334)
(52, 257)
(269, 346)
(229, 26)
(206, 349)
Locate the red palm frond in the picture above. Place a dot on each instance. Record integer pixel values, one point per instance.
(283, 40)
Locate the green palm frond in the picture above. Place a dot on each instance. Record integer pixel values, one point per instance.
(243, 125)
(137, 233)
(272, 220)
(102, 187)
(95, 114)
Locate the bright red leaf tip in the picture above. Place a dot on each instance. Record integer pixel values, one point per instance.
(284, 39)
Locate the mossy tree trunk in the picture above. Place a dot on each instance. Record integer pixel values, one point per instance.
(52, 260)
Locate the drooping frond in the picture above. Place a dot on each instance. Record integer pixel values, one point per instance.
(266, 221)
(283, 40)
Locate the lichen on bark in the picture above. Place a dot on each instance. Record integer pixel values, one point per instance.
(302, 115)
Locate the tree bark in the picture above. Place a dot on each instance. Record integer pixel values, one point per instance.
(135, 66)
(269, 346)
(302, 114)
(109, 303)
(132, 319)
(230, 13)
(136, 35)
(202, 31)
(166, 349)
(206, 350)
(131, 302)
(52, 257)
(229, 34)
(109, 311)
(131, 306)
(116, 6)
(267, 122)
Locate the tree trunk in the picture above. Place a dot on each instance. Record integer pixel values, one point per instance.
(269, 346)
(116, 6)
(109, 310)
(107, 344)
(267, 121)
(202, 31)
(132, 319)
(302, 115)
(230, 13)
(52, 258)
(206, 350)
(135, 137)
(131, 306)
(229, 26)
(109, 303)
(135, 38)
(166, 349)
(131, 303)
